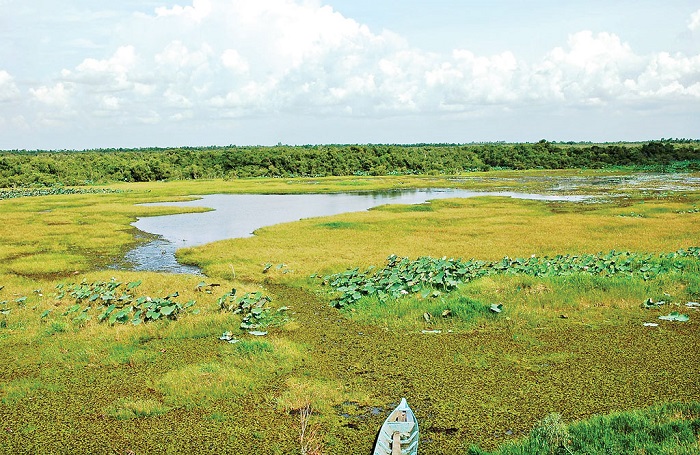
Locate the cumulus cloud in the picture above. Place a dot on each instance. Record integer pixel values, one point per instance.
(108, 74)
(694, 22)
(8, 88)
(208, 60)
(591, 69)
(251, 57)
(57, 95)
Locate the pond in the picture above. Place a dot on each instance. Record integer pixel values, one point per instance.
(239, 215)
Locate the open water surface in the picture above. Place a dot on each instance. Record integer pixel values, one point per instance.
(239, 215)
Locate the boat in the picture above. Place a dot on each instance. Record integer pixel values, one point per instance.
(399, 433)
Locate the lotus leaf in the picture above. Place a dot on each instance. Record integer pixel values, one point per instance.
(675, 316)
(168, 310)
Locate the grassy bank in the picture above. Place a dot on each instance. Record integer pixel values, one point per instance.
(575, 345)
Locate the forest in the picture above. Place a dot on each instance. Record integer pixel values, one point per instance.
(21, 168)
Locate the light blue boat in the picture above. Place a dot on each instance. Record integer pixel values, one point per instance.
(399, 433)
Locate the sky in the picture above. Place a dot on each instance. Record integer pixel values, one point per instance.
(84, 74)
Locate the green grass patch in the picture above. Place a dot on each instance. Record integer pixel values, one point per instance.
(671, 428)
(435, 313)
(339, 225)
(22, 388)
(243, 370)
(404, 208)
(125, 409)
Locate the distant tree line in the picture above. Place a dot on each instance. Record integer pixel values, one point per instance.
(51, 168)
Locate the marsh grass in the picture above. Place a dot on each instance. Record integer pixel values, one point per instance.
(126, 408)
(663, 429)
(484, 228)
(459, 312)
(13, 391)
(178, 388)
(528, 302)
(243, 370)
(320, 394)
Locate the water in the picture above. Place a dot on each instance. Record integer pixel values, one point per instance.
(239, 215)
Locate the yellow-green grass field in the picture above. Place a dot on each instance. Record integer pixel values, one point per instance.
(323, 379)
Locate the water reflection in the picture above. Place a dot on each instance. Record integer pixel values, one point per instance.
(238, 215)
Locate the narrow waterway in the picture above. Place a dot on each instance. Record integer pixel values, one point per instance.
(239, 215)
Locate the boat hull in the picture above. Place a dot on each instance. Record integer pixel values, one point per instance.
(399, 434)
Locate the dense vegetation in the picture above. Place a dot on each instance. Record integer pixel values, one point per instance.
(428, 275)
(48, 168)
(554, 349)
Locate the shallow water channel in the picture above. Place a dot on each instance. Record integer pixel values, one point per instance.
(239, 215)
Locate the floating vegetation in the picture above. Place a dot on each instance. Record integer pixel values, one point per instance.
(675, 316)
(228, 337)
(268, 266)
(53, 191)
(649, 303)
(115, 302)
(429, 276)
(252, 306)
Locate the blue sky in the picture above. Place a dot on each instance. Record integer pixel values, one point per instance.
(82, 74)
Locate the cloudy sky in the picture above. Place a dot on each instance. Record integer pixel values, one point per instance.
(78, 74)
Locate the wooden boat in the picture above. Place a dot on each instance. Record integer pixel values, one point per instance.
(399, 434)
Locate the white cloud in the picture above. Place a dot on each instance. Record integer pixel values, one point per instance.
(669, 76)
(250, 57)
(176, 56)
(108, 74)
(199, 10)
(232, 60)
(694, 22)
(57, 95)
(208, 60)
(8, 88)
(111, 102)
(590, 70)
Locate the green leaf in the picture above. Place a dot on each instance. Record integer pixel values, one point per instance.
(133, 284)
(675, 316)
(167, 310)
(45, 313)
(106, 313)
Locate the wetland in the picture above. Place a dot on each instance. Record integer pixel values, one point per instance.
(577, 287)
(239, 215)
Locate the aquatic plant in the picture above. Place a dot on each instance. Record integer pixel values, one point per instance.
(252, 306)
(429, 276)
(52, 191)
(116, 303)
